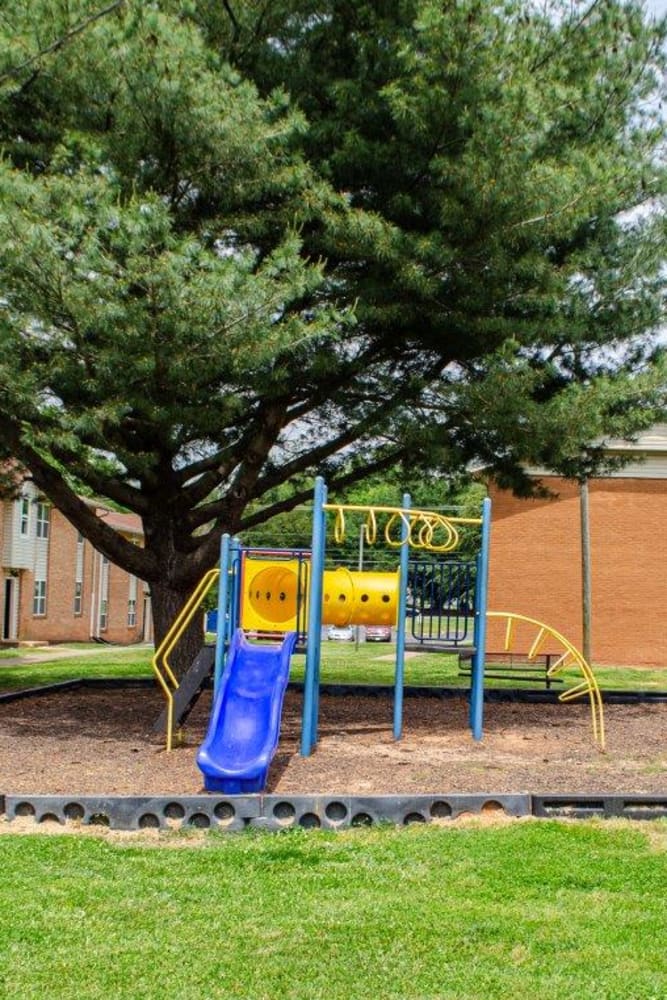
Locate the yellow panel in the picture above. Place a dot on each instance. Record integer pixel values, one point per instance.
(270, 594)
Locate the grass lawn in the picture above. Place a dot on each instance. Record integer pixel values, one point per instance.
(372, 663)
(107, 663)
(542, 909)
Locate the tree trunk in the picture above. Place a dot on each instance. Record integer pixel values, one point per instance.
(166, 604)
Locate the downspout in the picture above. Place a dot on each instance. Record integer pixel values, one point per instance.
(94, 630)
(586, 587)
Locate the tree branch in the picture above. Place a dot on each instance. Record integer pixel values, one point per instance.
(232, 17)
(216, 468)
(105, 539)
(259, 446)
(310, 459)
(567, 33)
(337, 483)
(60, 42)
(119, 492)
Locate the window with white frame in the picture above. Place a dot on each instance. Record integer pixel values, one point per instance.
(24, 517)
(42, 520)
(132, 602)
(104, 594)
(39, 598)
(78, 575)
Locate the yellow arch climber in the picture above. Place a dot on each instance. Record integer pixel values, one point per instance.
(570, 657)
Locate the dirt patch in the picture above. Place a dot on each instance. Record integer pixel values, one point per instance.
(92, 741)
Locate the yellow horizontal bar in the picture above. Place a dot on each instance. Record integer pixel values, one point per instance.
(561, 663)
(410, 511)
(538, 642)
(509, 635)
(575, 692)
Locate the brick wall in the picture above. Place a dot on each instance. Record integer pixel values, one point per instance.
(119, 590)
(60, 623)
(535, 566)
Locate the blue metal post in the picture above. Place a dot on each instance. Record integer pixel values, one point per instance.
(223, 602)
(313, 650)
(315, 715)
(400, 625)
(235, 555)
(479, 657)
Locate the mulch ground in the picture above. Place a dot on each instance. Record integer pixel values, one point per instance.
(92, 741)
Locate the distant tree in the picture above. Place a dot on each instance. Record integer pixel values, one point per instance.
(241, 243)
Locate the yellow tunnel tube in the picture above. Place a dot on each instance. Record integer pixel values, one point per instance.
(270, 595)
(359, 598)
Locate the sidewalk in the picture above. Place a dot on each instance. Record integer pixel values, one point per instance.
(45, 654)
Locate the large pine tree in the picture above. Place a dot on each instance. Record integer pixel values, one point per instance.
(241, 243)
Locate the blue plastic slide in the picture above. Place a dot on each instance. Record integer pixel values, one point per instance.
(244, 726)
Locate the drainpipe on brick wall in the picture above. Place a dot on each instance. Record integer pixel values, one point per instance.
(103, 594)
(585, 569)
(147, 623)
(94, 619)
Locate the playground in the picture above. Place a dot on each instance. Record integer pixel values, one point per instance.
(88, 741)
(233, 725)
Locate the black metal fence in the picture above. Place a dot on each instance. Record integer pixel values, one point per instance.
(441, 600)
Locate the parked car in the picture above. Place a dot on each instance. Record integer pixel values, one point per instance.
(378, 633)
(341, 633)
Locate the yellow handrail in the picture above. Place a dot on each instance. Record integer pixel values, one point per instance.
(160, 662)
(570, 657)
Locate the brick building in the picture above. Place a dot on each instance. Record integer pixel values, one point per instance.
(535, 562)
(56, 587)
